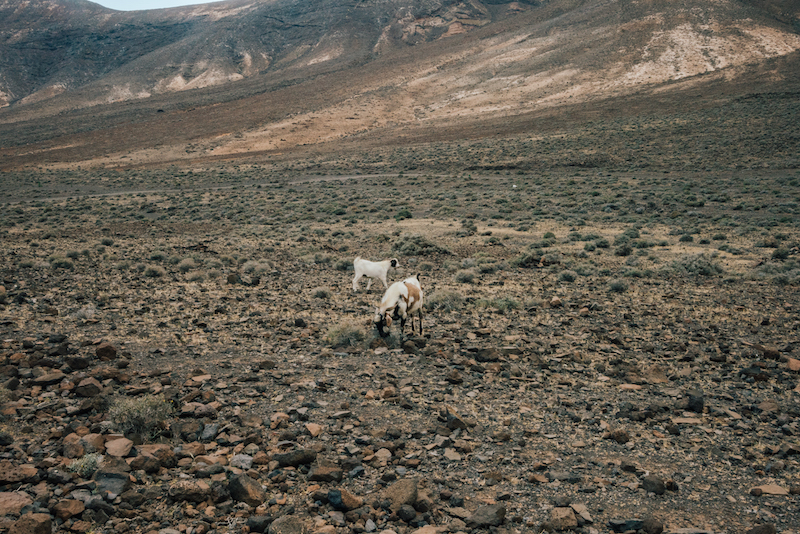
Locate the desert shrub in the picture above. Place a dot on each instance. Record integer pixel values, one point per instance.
(86, 465)
(322, 259)
(158, 256)
(417, 245)
(197, 276)
(144, 416)
(403, 214)
(186, 265)
(589, 247)
(86, 313)
(719, 237)
(344, 334)
(781, 273)
(780, 253)
(320, 293)
(567, 276)
(686, 238)
(468, 263)
(73, 254)
(623, 250)
(154, 271)
(465, 276)
(549, 236)
(107, 241)
(617, 286)
(527, 261)
(602, 243)
(488, 267)
(256, 268)
(696, 265)
(425, 266)
(444, 300)
(61, 262)
(343, 265)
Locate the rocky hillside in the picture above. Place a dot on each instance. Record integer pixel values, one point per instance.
(265, 79)
(55, 46)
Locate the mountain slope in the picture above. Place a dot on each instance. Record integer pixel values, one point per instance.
(324, 84)
(52, 46)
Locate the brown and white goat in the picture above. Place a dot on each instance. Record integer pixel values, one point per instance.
(401, 300)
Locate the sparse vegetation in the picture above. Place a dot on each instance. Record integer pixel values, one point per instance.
(146, 416)
(345, 334)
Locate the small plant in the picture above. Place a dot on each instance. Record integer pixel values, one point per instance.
(154, 271)
(696, 264)
(617, 286)
(320, 293)
(780, 254)
(686, 238)
(417, 245)
(61, 262)
(107, 241)
(86, 465)
(403, 214)
(445, 300)
(567, 276)
(144, 416)
(465, 277)
(256, 268)
(344, 334)
(623, 250)
(186, 265)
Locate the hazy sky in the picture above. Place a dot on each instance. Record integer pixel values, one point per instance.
(133, 5)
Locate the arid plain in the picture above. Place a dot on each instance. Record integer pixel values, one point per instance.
(611, 327)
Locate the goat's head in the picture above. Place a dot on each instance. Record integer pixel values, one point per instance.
(383, 321)
(394, 263)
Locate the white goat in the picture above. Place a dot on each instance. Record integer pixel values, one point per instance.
(402, 299)
(372, 269)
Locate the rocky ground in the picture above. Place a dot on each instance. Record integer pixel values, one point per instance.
(602, 352)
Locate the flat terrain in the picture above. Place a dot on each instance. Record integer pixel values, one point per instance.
(617, 340)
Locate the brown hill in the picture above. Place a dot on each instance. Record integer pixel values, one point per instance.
(235, 79)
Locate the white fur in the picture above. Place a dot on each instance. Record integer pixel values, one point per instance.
(372, 269)
(400, 300)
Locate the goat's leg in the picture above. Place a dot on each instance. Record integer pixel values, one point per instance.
(355, 281)
(369, 283)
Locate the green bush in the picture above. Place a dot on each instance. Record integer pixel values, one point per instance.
(696, 265)
(465, 277)
(344, 334)
(154, 271)
(86, 465)
(417, 245)
(61, 262)
(320, 293)
(186, 265)
(567, 276)
(617, 286)
(780, 254)
(444, 300)
(144, 416)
